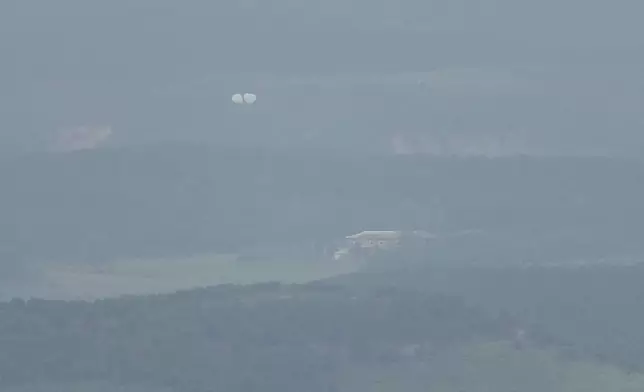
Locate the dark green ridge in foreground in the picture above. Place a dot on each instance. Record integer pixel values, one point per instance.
(229, 337)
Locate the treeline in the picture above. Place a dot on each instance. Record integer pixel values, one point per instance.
(263, 337)
(184, 199)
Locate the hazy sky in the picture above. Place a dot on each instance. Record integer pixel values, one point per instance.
(73, 63)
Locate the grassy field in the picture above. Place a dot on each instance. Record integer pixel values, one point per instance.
(143, 276)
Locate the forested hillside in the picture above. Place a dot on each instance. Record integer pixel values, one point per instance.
(592, 312)
(265, 337)
(317, 337)
(173, 200)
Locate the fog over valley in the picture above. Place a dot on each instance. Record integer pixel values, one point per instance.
(338, 196)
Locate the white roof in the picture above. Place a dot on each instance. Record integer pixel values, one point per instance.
(389, 234)
(376, 234)
(423, 234)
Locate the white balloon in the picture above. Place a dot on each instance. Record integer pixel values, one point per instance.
(250, 98)
(238, 99)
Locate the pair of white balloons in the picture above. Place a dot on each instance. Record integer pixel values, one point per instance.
(240, 99)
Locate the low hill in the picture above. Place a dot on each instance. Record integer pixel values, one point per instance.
(588, 312)
(270, 337)
(174, 200)
(263, 337)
